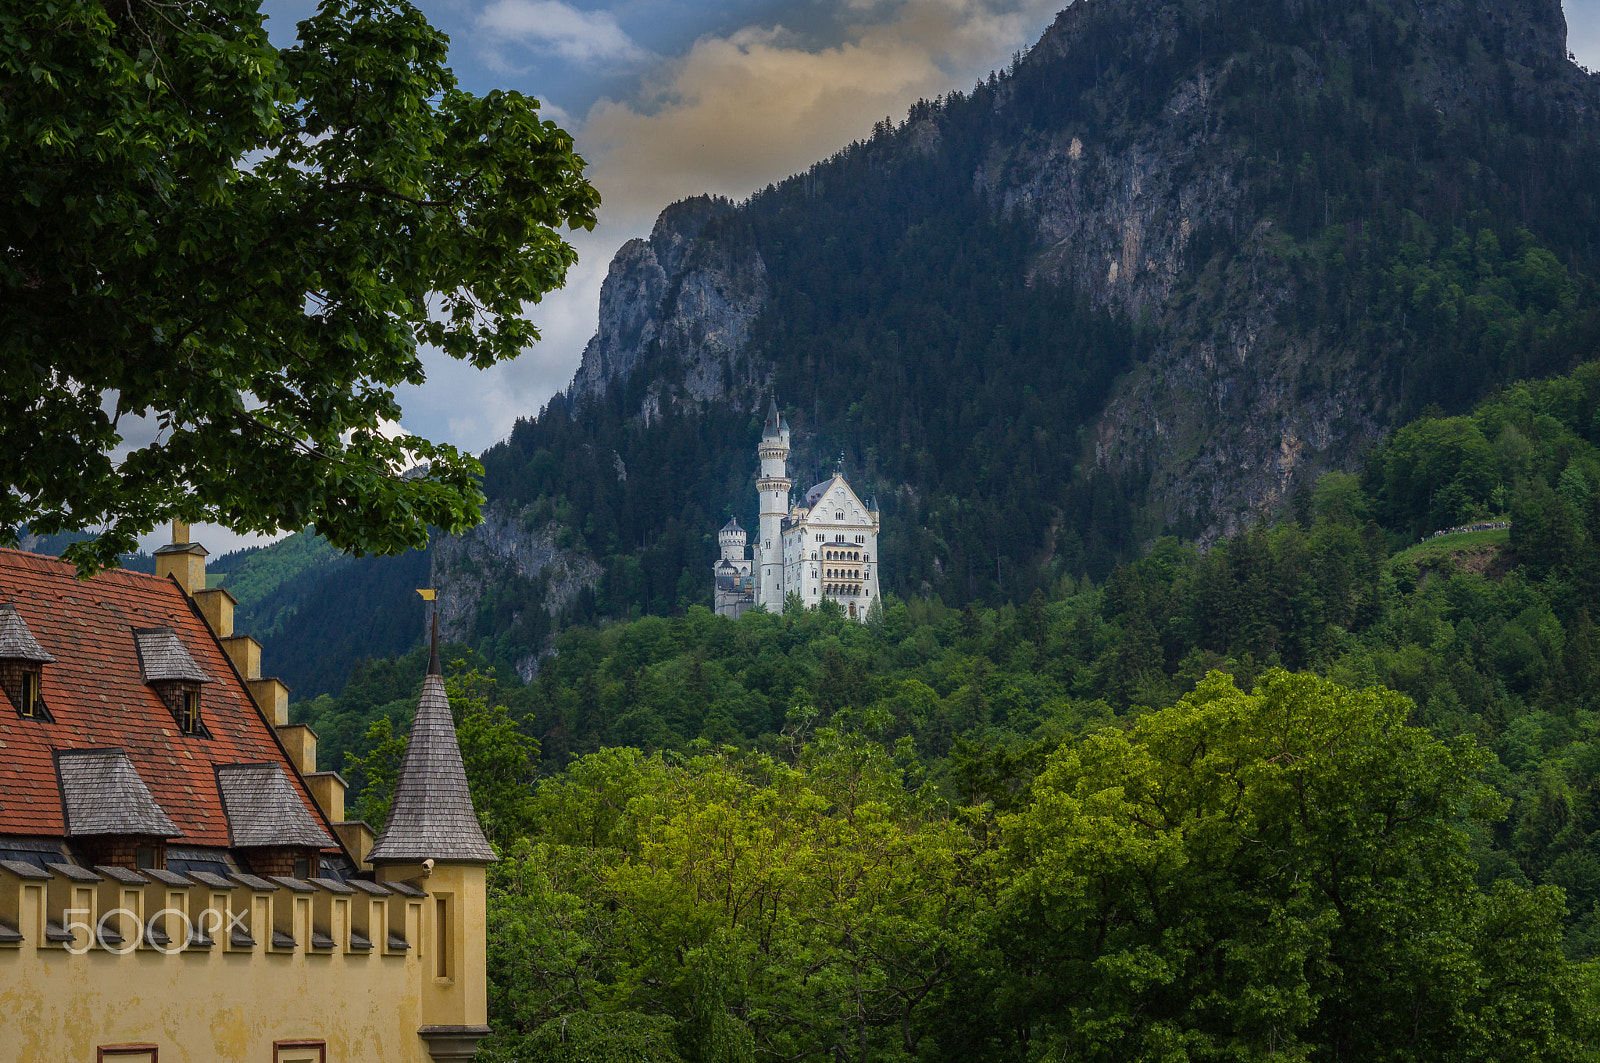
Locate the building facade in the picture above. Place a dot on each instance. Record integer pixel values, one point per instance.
(178, 881)
(824, 546)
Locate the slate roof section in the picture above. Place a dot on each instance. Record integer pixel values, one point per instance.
(773, 422)
(162, 656)
(263, 808)
(431, 814)
(22, 870)
(816, 491)
(98, 698)
(102, 793)
(16, 641)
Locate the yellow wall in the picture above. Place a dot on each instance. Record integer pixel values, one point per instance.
(209, 1005)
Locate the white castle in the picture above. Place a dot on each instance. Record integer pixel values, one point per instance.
(825, 546)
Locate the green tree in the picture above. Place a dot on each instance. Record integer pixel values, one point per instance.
(247, 245)
(1249, 875)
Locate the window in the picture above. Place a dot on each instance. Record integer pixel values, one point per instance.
(127, 1053)
(839, 515)
(144, 857)
(31, 704)
(441, 923)
(299, 1052)
(302, 867)
(189, 718)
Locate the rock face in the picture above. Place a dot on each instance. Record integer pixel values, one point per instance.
(508, 545)
(1235, 404)
(690, 298)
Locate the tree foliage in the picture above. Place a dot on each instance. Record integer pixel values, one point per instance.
(246, 245)
(1238, 876)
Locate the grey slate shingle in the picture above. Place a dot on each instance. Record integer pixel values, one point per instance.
(162, 656)
(102, 793)
(264, 809)
(24, 870)
(16, 641)
(212, 879)
(74, 873)
(431, 815)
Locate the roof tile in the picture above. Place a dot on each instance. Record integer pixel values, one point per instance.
(98, 698)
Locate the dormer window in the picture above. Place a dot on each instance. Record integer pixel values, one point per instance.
(172, 674)
(22, 662)
(189, 717)
(31, 704)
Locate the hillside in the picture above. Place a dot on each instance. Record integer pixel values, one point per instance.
(1155, 278)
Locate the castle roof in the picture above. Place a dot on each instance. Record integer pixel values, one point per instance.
(431, 816)
(95, 688)
(774, 422)
(732, 526)
(816, 491)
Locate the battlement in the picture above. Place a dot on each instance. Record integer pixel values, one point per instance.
(116, 912)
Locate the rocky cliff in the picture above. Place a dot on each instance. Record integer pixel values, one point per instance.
(1238, 401)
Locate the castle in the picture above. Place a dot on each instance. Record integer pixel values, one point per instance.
(823, 547)
(178, 881)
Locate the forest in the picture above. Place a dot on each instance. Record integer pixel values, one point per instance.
(911, 328)
(1210, 806)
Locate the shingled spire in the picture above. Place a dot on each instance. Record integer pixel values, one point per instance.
(431, 815)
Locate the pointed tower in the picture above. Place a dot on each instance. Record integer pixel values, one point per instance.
(432, 840)
(772, 485)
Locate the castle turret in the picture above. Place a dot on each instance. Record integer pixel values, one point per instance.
(732, 540)
(432, 840)
(773, 486)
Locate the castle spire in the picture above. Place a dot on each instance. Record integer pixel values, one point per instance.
(431, 816)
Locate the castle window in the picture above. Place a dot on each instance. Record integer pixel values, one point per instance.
(839, 515)
(302, 867)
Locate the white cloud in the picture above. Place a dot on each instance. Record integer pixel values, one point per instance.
(560, 29)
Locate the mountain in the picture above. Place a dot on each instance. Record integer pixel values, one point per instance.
(1175, 263)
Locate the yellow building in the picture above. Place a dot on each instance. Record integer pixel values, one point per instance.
(178, 881)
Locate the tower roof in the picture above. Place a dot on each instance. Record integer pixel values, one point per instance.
(774, 422)
(431, 815)
(16, 641)
(732, 525)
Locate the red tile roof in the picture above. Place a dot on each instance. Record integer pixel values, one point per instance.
(97, 699)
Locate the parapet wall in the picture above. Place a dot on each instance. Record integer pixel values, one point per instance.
(201, 967)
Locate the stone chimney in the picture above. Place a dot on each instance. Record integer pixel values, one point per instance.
(182, 560)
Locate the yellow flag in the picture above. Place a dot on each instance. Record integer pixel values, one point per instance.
(428, 595)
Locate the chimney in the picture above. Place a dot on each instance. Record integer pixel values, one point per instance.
(182, 560)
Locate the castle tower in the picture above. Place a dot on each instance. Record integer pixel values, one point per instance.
(773, 486)
(732, 540)
(432, 839)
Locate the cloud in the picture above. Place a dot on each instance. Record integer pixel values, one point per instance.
(556, 28)
(753, 106)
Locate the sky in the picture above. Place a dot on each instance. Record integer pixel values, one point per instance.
(671, 98)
